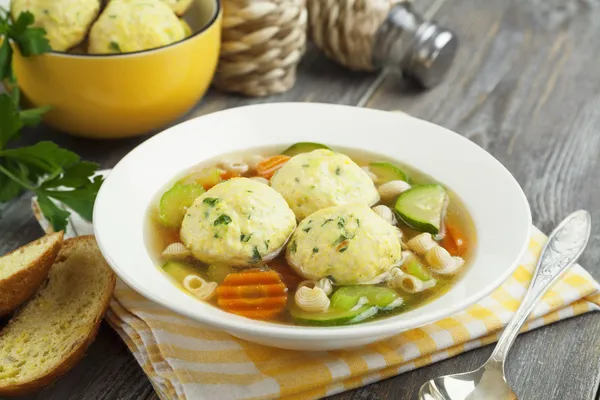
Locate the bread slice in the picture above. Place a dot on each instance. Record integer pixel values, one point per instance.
(23, 270)
(50, 333)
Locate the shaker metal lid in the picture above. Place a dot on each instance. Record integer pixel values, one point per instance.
(430, 55)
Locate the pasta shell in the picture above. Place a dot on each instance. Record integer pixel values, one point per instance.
(253, 160)
(392, 189)
(199, 287)
(408, 283)
(370, 173)
(386, 213)
(239, 167)
(441, 262)
(312, 300)
(260, 179)
(421, 243)
(176, 251)
(326, 285)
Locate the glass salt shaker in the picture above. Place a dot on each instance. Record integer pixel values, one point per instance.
(422, 50)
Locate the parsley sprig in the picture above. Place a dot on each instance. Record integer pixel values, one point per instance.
(50, 172)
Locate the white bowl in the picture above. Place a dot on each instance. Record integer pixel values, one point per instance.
(493, 197)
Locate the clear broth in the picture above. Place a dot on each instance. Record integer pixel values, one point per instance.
(158, 237)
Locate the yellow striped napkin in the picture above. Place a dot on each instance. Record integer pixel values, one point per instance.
(187, 360)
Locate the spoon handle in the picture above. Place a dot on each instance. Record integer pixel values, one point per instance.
(563, 248)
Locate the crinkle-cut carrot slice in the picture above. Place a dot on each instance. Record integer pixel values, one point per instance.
(265, 303)
(267, 167)
(454, 241)
(255, 294)
(257, 314)
(251, 291)
(252, 277)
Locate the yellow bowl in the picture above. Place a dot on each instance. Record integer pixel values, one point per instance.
(123, 95)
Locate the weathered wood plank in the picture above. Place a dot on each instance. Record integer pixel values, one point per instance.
(525, 86)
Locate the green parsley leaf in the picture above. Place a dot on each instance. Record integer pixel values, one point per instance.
(56, 215)
(42, 157)
(340, 239)
(5, 60)
(293, 246)
(9, 120)
(30, 40)
(211, 201)
(33, 116)
(223, 219)
(256, 257)
(245, 238)
(9, 189)
(81, 199)
(114, 46)
(327, 221)
(74, 176)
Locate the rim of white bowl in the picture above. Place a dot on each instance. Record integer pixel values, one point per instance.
(380, 327)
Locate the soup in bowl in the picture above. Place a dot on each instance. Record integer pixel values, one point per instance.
(349, 227)
(309, 235)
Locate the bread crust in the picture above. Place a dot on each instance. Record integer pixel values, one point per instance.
(17, 288)
(78, 350)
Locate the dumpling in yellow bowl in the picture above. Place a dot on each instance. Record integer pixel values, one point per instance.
(179, 7)
(66, 21)
(133, 25)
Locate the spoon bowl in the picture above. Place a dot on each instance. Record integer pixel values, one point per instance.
(487, 382)
(563, 248)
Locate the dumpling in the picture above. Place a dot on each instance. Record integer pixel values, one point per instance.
(323, 178)
(348, 243)
(237, 222)
(133, 25)
(66, 21)
(179, 7)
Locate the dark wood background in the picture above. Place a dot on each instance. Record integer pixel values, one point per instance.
(526, 87)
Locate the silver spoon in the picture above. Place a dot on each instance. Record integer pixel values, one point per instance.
(564, 246)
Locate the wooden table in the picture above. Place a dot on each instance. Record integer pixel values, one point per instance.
(526, 87)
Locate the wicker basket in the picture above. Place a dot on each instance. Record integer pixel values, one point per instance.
(262, 43)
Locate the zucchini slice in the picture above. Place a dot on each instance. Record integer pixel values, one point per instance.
(332, 316)
(175, 202)
(347, 297)
(303, 147)
(179, 270)
(387, 172)
(423, 207)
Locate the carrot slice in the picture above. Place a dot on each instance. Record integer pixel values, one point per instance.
(251, 291)
(454, 241)
(254, 294)
(266, 168)
(252, 278)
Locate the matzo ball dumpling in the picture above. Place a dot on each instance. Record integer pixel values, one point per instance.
(66, 21)
(348, 243)
(323, 178)
(237, 222)
(179, 7)
(127, 26)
